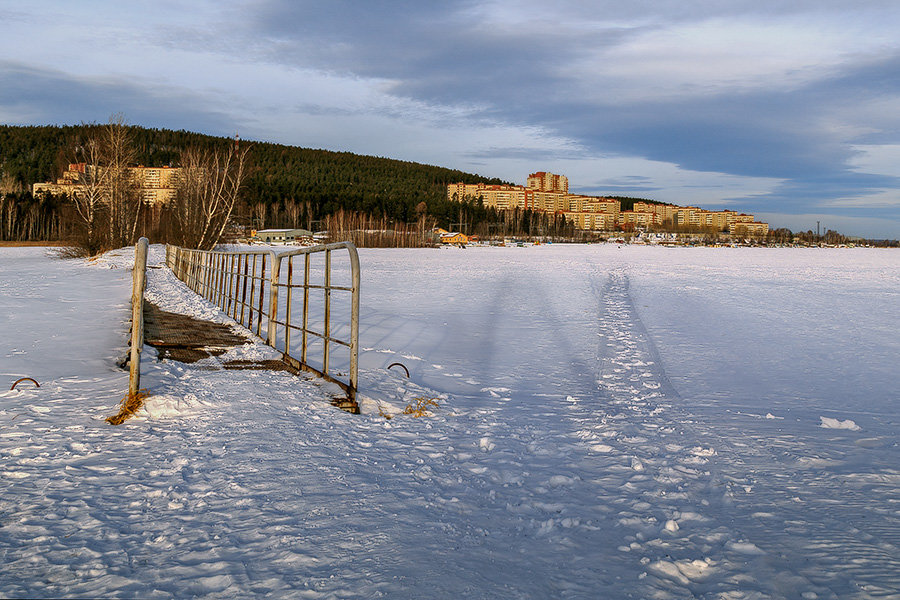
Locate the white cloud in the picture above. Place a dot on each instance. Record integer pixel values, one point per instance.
(728, 54)
(883, 159)
(870, 199)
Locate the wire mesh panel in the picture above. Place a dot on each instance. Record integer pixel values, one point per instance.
(304, 302)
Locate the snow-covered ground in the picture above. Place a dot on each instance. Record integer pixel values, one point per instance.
(614, 422)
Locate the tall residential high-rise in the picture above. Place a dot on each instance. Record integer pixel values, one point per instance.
(548, 182)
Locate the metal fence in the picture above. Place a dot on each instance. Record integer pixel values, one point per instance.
(303, 302)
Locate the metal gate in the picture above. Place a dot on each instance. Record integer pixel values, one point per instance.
(303, 302)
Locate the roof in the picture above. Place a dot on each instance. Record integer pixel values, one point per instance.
(301, 231)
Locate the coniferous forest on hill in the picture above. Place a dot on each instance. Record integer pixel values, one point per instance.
(287, 186)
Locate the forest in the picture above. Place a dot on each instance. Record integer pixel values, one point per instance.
(285, 186)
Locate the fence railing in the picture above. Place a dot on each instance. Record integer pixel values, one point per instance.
(288, 299)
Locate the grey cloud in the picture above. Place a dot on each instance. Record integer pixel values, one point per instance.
(449, 54)
(445, 55)
(532, 154)
(49, 96)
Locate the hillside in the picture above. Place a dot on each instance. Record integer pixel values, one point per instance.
(289, 186)
(325, 179)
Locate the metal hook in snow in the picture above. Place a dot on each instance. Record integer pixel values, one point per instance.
(399, 365)
(18, 381)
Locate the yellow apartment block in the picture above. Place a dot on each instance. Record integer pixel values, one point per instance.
(665, 212)
(545, 192)
(547, 182)
(689, 215)
(65, 185)
(751, 228)
(734, 217)
(548, 192)
(550, 201)
(591, 221)
(594, 204)
(605, 221)
(639, 219)
(458, 192)
(505, 197)
(715, 219)
(157, 185)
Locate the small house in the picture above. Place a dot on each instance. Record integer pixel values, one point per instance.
(281, 236)
(454, 238)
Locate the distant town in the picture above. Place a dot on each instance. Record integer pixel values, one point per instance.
(52, 188)
(595, 217)
(549, 193)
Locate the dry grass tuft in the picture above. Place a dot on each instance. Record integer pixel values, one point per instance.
(420, 408)
(67, 251)
(130, 405)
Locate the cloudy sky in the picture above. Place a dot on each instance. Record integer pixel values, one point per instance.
(787, 109)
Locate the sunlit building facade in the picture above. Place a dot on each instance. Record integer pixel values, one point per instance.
(157, 185)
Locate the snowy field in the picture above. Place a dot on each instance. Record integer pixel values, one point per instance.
(614, 422)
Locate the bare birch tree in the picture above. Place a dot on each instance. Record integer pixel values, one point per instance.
(259, 212)
(208, 191)
(89, 200)
(107, 199)
(121, 191)
(293, 209)
(7, 206)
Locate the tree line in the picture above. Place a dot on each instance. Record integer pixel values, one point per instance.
(281, 186)
(108, 210)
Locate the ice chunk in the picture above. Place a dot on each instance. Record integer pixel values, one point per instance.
(828, 423)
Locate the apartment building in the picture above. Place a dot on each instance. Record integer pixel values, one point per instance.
(66, 185)
(749, 228)
(545, 192)
(591, 221)
(665, 212)
(689, 216)
(639, 219)
(505, 197)
(459, 192)
(550, 201)
(547, 182)
(549, 192)
(157, 185)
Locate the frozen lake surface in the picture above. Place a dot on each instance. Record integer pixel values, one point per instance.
(619, 422)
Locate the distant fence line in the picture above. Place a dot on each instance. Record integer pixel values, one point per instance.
(256, 288)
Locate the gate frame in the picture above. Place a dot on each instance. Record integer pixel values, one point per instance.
(214, 275)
